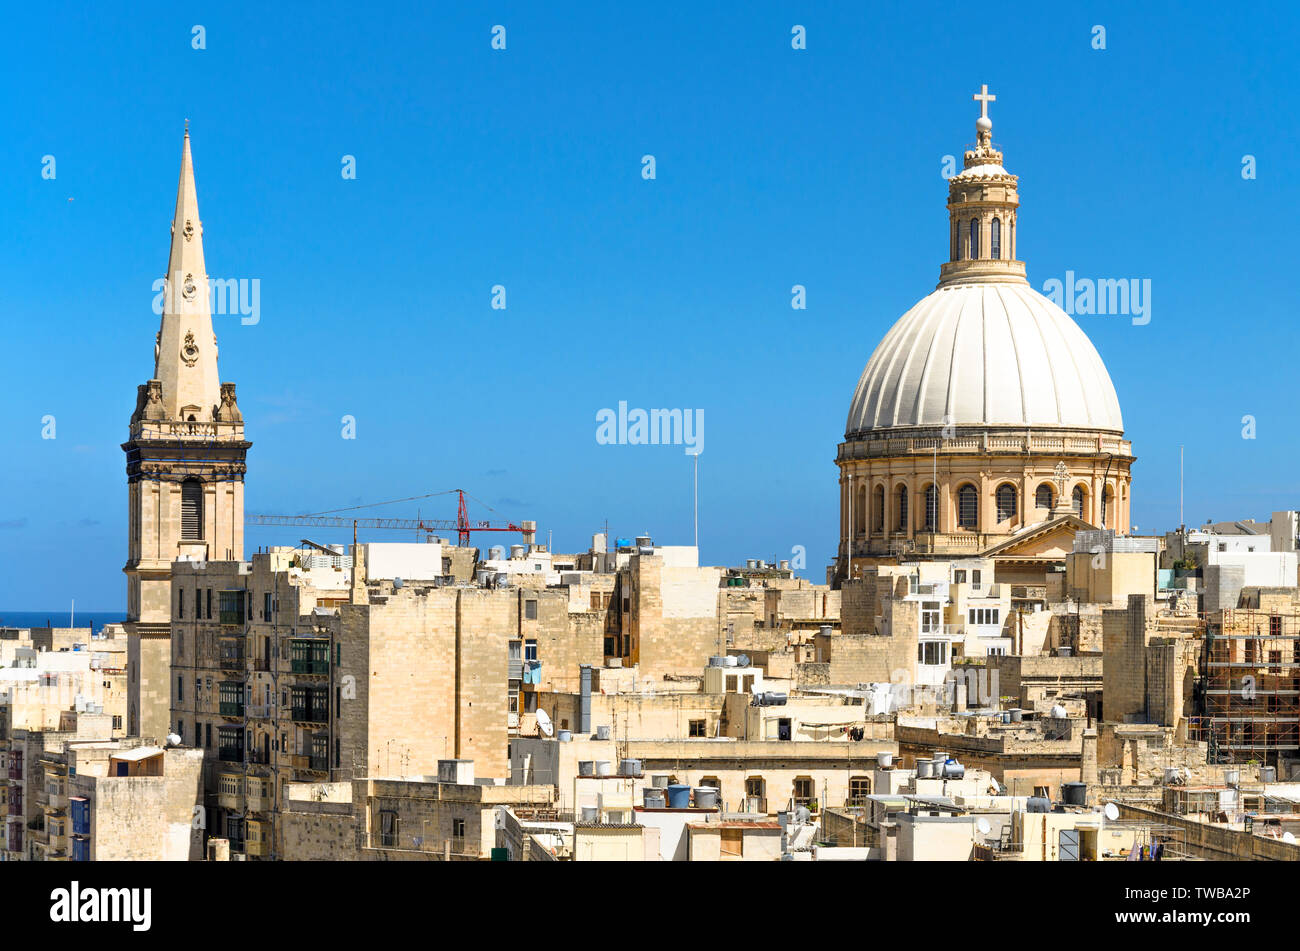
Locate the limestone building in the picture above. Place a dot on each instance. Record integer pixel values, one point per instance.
(184, 465)
(985, 412)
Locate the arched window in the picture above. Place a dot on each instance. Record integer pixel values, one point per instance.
(931, 508)
(968, 507)
(974, 238)
(1077, 498)
(860, 511)
(878, 512)
(902, 508)
(1043, 497)
(1006, 499)
(1105, 504)
(191, 509)
(995, 240)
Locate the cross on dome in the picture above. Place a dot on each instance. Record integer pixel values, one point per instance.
(983, 98)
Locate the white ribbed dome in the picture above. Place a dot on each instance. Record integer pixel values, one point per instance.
(985, 354)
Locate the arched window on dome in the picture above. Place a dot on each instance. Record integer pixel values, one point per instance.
(1105, 505)
(1006, 502)
(931, 508)
(1077, 498)
(995, 240)
(1043, 497)
(974, 241)
(900, 504)
(860, 511)
(878, 508)
(968, 506)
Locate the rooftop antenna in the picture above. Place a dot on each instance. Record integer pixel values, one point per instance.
(696, 455)
(1181, 523)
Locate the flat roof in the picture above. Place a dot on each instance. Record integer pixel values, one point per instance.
(140, 752)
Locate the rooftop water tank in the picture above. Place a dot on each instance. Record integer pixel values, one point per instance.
(1038, 804)
(602, 732)
(924, 769)
(953, 770)
(885, 760)
(1268, 774)
(730, 661)
(1074, 794)
(679, 796)
(1059, 712)
(1017, 716)
(654, 798)
(586, 767)
(630, 767)
(590, 813)
(497, 552)
(604, 767)
(516, 551)
(564, 736)
(706, 797)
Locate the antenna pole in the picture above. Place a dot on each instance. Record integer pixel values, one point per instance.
(697, 504)
(1180, 487)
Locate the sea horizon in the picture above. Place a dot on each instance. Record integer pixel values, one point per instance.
(95, 620)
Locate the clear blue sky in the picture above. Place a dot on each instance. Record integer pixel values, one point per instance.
(522, 167)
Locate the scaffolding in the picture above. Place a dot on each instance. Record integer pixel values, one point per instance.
(1250, 687)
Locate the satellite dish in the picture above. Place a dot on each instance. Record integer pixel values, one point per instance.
(1111, 811)
(544, 723)
(1288, 838)
(982, 826)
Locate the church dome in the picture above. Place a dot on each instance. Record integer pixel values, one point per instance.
(985, 349)
(995, 354)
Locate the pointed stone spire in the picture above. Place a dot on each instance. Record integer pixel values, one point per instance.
(186, 357)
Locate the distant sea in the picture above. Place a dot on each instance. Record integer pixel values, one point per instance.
(93, 619)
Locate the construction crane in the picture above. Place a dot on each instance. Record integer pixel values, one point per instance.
(462, 525)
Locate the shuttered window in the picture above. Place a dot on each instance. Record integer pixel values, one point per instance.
(191, 509)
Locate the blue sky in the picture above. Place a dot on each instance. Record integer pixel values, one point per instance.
(522, 167)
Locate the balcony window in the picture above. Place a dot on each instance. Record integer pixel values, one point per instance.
(804, 791)
(230, 607)
(387, 829)
(309, 656)
(932, 653)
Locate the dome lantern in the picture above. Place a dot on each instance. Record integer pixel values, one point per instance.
(982, 203)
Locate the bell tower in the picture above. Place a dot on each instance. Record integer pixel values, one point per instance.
(185, 465)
